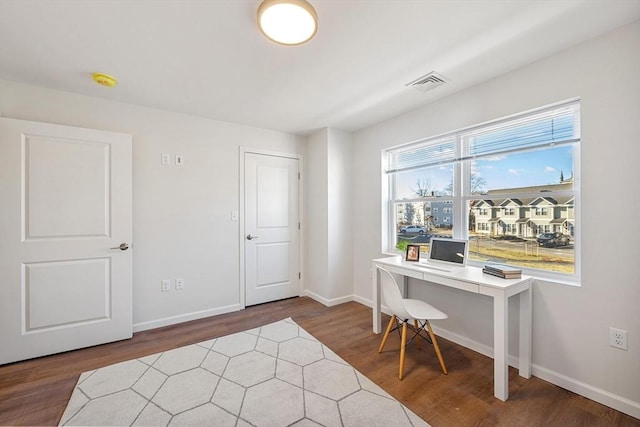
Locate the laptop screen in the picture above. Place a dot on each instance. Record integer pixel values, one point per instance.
(453, 251)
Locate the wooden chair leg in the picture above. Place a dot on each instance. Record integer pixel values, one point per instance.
(386, 334)
(418, 341)
(403, 345)
(436, 347)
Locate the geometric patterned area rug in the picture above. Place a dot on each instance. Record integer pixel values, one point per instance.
(275, 375)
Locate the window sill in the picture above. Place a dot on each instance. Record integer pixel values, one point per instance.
(391, 254)
(557, 281)
(539, 276)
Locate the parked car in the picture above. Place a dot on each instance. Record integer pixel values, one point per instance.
(413, 229)
(415, 238)
(553, 239)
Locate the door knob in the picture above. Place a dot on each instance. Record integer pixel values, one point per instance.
(122, 247)
(250, 237)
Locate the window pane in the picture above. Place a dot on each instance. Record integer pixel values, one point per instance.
(417, 222)
(532, 233)
(553, 126)
(426, 154)
(540, 168)
(432, 181)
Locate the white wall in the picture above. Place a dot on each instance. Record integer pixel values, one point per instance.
(317, 215)
(571, 324)
(329, 217)
(340, 215)
(181, 215)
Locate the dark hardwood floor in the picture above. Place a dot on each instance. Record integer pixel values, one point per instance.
(36, 392)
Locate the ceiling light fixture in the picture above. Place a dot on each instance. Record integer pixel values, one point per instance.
(288, 22)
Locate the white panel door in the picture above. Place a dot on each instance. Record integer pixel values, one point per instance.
(65, 202)
(271, 244)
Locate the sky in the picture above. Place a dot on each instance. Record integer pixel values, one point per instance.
(521, 169)
(526, 169)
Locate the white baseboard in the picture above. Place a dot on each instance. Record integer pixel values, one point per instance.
(328, 302)
(609, 399)
(362, 301)
(158, 323)
(485, 350)
(596, 394)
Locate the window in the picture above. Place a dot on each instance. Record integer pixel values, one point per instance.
(499, 184)
(541, 211)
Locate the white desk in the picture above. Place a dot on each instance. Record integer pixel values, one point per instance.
(472, 279)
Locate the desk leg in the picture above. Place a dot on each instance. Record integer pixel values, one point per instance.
(500, 346)
(526, 320)
(375, 289)
(405, 287)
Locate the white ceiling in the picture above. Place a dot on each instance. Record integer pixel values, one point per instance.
(207, 58)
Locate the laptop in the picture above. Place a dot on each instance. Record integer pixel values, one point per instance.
(446, 254)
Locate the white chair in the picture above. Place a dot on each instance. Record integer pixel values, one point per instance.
(402, 312)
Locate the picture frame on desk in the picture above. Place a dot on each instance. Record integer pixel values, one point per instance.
(413, 253)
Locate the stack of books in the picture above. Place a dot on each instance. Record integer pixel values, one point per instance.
(504, 271)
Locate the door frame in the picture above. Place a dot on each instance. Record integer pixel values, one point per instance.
(241, 231)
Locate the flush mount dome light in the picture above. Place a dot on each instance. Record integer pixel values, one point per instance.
(288, 22)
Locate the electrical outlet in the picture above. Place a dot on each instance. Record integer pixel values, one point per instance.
(179, 283)
(618, 338)
(165, 159)
(166, 285)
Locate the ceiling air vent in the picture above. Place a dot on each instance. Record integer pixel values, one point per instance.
(428, 81)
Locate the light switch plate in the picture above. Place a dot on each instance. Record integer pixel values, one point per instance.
(179, 160)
